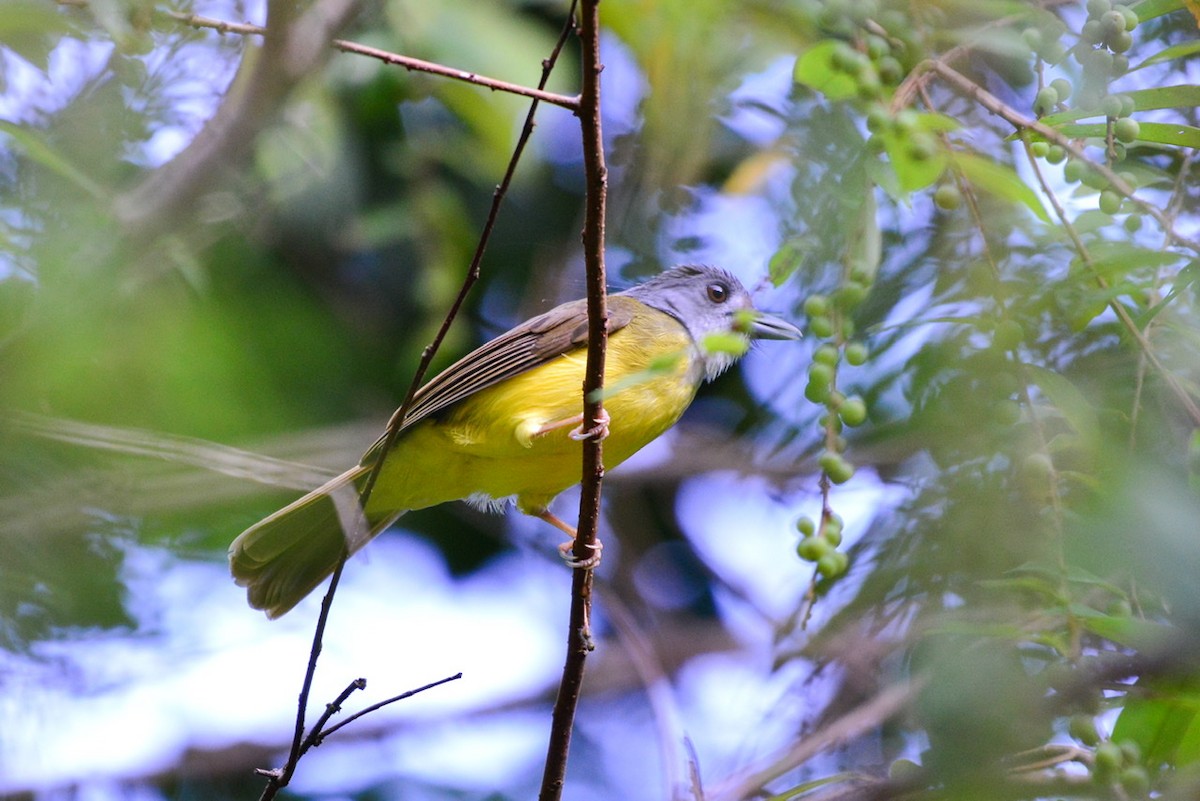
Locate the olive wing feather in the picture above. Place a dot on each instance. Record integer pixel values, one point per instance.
(532, 343)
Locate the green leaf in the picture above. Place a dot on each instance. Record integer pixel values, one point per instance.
(40, 151)
(1117, 259)
(1067, 398)
(789, 258)
(1149, 9)
(1164, 133)
(1000, 180)
(1165, 723)
(1179, 51)
(1181, 96)
(815, 70)
(865, 248)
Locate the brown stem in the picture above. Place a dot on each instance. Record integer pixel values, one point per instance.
(408, 62)
(578, 636)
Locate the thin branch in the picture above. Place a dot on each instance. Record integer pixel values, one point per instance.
(408, 62)
(319, 736)
(277, 780)
(586, 544)
(886, 704)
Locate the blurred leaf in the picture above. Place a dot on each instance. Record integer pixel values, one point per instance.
(38, 149)
(1149, 9)
(1067, 398)
(815, 69)
(866, 248)
(1178, 51)
(1175, 134)
(1164, 723)
(1000, 180)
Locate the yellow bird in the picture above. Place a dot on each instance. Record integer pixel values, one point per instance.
(496, 424)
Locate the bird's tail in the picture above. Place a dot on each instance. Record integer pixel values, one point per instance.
(283, 557)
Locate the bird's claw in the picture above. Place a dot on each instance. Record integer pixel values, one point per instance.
(566, 550)
(599, 430)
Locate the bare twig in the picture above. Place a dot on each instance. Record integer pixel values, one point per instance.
(279, 779)
(388, 57)
(319, 736)
(579, 636)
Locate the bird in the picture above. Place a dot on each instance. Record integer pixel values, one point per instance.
(505, 423)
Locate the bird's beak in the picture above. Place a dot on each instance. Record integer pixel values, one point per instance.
(768, 326)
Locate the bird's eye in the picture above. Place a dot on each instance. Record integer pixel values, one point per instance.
(717, 293)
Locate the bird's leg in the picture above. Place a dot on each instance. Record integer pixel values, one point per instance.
(600, 429)
(565, 548)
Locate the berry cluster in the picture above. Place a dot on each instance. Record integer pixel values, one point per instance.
(820, 542)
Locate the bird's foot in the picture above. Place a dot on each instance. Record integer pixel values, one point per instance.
(599, 430)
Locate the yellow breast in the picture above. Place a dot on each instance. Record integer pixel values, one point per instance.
(489, 443)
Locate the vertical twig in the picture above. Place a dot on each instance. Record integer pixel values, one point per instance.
(596, 175)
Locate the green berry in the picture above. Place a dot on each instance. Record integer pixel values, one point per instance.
(1098, 8)
(1131, 752)
(1092, 32)
(1033, 38)
(856, 353)
(1127, 129)
(878, 118)
(1120, 66)
(1095, 180)
(1119, 43)
(817, 392)
(853, 411)
(806, 526)
(1131, 17)
(1128, 105)
(827, 420)
(1113, 22)
(850, 295)
(837, 468)
(1108, 758)
(1134, 779)
(827, 355)
(1100, 63)
(947, 197)
(1083, 729)
(1110, 201)
(1006, 412)
(1040, 149)
(1046, 100)
(921, 146)
(833, 535)
(891, 71)
(1133, 223)
(1074, 171)
(811, 549)
(1008, 334)
(833, 564)
(1111, 106)
(821, 327)
(1057, 154)
(820, 373)
(816, 305)
(1063, 87)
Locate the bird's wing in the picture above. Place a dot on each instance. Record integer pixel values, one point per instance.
(533, 342)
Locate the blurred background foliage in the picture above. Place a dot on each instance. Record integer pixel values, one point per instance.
(998, 392)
